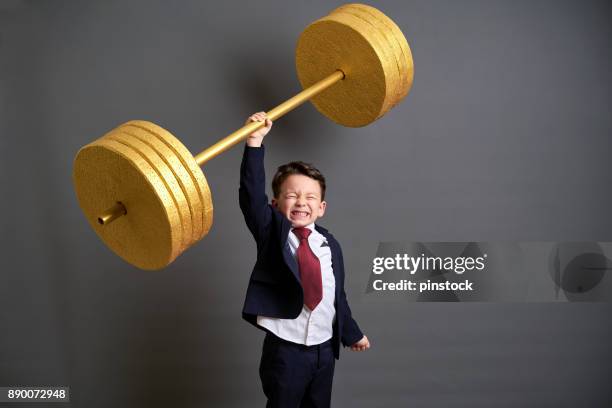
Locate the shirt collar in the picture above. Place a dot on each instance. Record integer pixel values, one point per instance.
(310, 226)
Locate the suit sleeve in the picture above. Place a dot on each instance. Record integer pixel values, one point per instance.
(351, 333)
(252, 192)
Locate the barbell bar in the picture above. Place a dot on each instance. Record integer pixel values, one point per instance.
(146, 196)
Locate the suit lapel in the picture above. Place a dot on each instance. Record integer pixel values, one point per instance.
(334, 253)
(287, 256)
(290, 260)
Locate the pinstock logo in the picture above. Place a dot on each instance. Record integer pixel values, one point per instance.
(493, 272)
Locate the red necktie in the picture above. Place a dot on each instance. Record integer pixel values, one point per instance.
(310, 269)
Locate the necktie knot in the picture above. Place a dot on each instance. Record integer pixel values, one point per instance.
(302, 233)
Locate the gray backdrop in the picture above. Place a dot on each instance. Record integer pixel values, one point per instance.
(506, 136)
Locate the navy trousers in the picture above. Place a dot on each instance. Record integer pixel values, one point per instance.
(294, 375)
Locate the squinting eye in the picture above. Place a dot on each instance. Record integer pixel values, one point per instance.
(291, 195)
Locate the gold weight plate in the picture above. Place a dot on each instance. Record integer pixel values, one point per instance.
(372, 83)
(182, 175)
(148, 236)
(382, 47)
(327, 45)
(160, 167)
(389, 32)
(188, 162)
(405, 55)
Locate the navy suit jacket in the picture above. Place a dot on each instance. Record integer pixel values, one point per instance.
(274, 288)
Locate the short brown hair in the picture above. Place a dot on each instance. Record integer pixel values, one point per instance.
(297, 167)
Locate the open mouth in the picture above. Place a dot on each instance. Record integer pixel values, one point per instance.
(299, 214)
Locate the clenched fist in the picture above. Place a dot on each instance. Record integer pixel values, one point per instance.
(362, 344)
(256, 138)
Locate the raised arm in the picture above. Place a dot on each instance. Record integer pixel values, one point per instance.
(252, 193)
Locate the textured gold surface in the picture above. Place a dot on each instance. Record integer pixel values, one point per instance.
(387, 36)
(160, 167)
(360, 47)
(190, 165)
(354, 65)
(183, 177)
(395, 39)
(384, 52)
(149, 235)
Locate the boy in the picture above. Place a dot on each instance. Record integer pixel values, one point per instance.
(296, 291)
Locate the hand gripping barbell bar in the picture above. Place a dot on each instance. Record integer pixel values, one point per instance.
(145, 194)
(118, 209)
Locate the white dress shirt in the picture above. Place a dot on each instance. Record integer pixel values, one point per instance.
(316, 326)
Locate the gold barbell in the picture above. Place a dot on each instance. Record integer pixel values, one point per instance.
(145, 195)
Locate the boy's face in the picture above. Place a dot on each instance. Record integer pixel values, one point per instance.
(300, 200)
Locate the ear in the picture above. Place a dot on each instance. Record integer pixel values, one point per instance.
(322, 208)
(274, 203)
